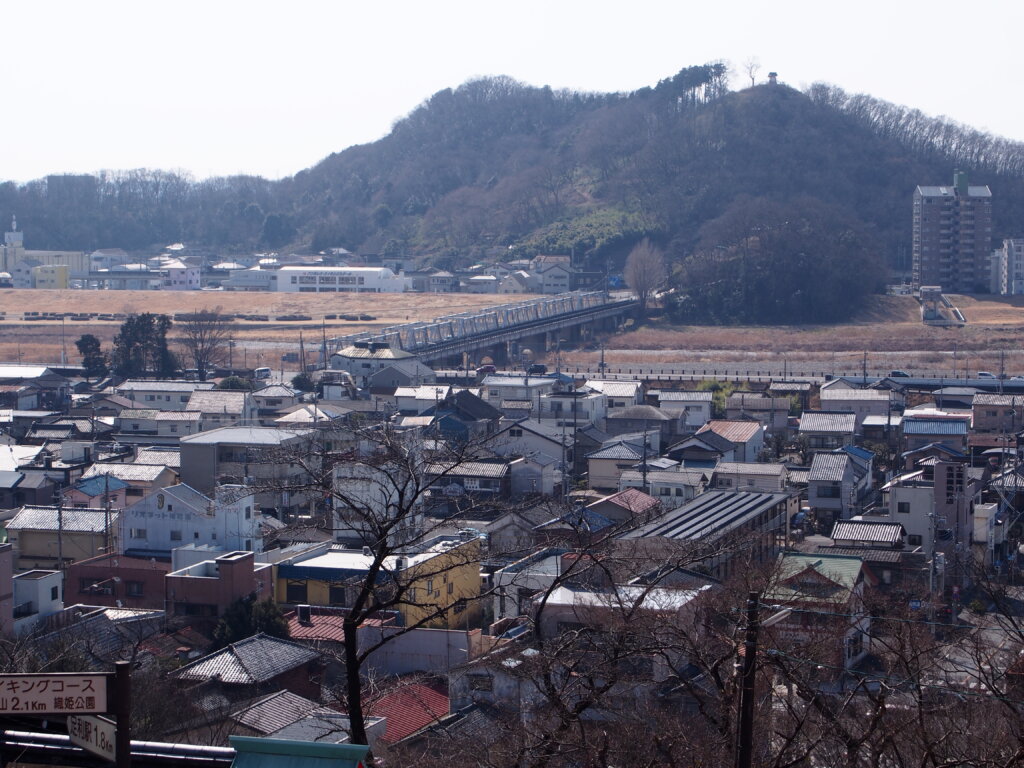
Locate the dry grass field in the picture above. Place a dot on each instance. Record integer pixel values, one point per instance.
(41, 340)
(889, 329)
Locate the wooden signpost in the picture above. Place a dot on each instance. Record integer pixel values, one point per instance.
(80, 696)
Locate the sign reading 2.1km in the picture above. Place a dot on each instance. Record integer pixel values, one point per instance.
(56, 694)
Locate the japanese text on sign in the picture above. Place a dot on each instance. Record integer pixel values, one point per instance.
(94, 734)
(53, 694)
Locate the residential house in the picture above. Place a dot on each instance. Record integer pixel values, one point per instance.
(827, 430)
(744, 476)
(630, 506)
(620, 394)
(401, 373)
(257, 665)
(206, 589)
(515, 584)
(834, 485)
(223, 408)
(800, 390)
(233, 454)
(162, 395)
(53, 537)
(996, 420)
(860, 402)
(691, 408)
(639, 418)
(365, 358)
(818, 588)
(179, 515)
(576, 407)
(922, 430)
(754, 519)
(142, 479)
(500, 389)
(116, 580)
(97, 492)
(702, 451)
(747, 436)
(671, 487)
(441, 578)
(606, 465)
(773, 412)
(273, 401)
(36, 595)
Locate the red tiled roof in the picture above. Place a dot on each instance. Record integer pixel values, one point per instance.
(325, 624)
(631, 499)
(411, 707)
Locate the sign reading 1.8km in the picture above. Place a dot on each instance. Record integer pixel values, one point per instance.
(53, 694)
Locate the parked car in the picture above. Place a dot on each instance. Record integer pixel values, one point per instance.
(986, 375)
(537, 369)
(485, 369)
(899, 375)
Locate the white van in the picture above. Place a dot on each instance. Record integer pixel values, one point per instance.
(261, 373)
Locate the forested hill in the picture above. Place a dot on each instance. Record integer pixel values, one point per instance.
(495, 163)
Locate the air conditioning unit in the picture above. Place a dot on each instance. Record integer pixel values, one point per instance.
(305, 614)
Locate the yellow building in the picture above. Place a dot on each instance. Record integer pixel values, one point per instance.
(44, 537)
(441, 581)
(51, 276)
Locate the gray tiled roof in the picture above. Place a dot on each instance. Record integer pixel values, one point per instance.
(275, 712)
(73, 520)
(217, 401)
(165, 386)
(127, 472)
(828, 467)
(256, 659)
(618, 451)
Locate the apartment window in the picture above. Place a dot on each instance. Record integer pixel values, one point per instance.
(914, 540)
(133, 588)
(54, 593)
(903, 507)
(451, 587)
(337, 595)
(430, 586)
(137, 533)
(175, 535)
(515, 432)
(248, 545)
(828, 492)
(248, 512)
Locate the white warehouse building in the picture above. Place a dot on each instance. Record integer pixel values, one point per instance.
(300, 279)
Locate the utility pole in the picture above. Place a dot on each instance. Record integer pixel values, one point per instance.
(748, 676)
(864, 367)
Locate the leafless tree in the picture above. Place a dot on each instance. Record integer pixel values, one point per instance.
(751, 66)
(645, 274)
(205, 337)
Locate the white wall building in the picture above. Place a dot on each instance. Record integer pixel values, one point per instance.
(1010, 261)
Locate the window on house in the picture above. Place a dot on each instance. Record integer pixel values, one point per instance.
(337, 594)
(451, 587)
(248, 545)
(480, 682)
(903, 507)
(54, 593)
(914, 540)
(175, 535)
(828, 492)
(137, 533)
(295, 592)
(430, 585)
(248, 512)
(133, 588)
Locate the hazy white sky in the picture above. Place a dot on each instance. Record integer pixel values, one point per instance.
(216, 87)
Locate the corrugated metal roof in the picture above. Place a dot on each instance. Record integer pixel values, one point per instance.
(711, 514)
(828, 467)
(875, 395)
(734, 430)
(467, 469)
(934, 427)
(841, 571)
(819, 421)
(750, 468)
(164, 386)
(873, 532)
(409, 708)
(983, 398)
(669, 396)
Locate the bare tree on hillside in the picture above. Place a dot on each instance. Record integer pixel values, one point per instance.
(645, 274)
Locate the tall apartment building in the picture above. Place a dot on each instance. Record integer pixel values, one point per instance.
(953, 236)
(1008, 267)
